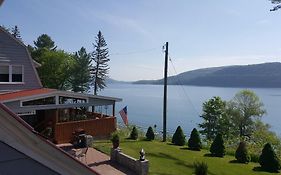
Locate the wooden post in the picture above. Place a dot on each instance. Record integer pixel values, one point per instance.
(165, 95)
(113, 109)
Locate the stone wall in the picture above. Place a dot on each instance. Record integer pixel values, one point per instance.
(138, 166)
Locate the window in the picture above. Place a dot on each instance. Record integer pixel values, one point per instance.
(4, 73)
(17, 73)
(42, 101)
(11, 73)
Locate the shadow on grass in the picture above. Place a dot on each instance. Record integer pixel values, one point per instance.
(186, 148)
(208, 155)
(259, 169)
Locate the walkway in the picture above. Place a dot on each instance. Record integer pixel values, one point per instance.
(100, 162)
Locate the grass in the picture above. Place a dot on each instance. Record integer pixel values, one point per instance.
(168, 159)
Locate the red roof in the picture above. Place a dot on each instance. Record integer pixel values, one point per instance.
(24, 93)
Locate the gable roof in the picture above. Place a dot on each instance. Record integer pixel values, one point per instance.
(10, 49)
(15, 133)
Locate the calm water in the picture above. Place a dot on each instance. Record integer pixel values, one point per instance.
(184, 104)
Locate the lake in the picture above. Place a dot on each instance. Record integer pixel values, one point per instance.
(145, 104)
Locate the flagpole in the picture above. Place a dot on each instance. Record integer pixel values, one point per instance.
(165, 95)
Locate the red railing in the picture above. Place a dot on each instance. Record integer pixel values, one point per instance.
(98, 128)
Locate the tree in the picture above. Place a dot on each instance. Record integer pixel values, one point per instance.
(45, 41)
(55, 69)
(150, 134)
(243, 109)
(81, 77)
(241, 153)
(277, 6)
(15, 32)
(101, 68)
(217, 148)
(215, 118)
(194, 142)
(178, 137)
(134, 134)
(268, 159)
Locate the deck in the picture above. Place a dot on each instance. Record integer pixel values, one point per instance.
(99, 161)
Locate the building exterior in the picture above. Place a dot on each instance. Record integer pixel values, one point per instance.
(17, 69)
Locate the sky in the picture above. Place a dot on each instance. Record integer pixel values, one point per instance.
(200, 33)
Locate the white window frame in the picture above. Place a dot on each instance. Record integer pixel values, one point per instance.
(11, 74)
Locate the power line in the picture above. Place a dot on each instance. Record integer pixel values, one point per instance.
(179, 82)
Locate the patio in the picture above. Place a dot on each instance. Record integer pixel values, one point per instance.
(98, 161)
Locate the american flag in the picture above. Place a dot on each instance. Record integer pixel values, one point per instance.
(124, 115)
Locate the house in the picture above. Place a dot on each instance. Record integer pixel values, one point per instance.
(24, 151)
(56, 114)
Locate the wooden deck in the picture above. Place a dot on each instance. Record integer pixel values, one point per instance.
(101, 127)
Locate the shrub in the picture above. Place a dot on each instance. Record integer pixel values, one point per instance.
(194, 142)
(241, 153)
(134, 134)
(201, 168)
(150, 134)
(115, 139)
(268, 159)
(178, 137)
(217, 148)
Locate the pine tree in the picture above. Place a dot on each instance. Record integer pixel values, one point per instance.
(15, 32)
(178, 137)
(269, 160)
(100, 57)
(134, 134)
(217, 148)
(241, 153)
(45, 41)
(80, 79)
(194, 142)
(150, 134)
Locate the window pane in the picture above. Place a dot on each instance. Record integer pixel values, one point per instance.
(42, 101)
(4, 73)
(16, 73)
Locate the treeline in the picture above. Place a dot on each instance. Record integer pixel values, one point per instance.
(76, 71)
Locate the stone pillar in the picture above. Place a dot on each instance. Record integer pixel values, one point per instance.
(142, 167)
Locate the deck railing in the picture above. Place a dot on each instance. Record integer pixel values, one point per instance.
(101, 127)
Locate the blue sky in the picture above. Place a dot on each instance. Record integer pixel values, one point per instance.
(200, 33)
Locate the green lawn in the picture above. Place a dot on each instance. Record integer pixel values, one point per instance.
(167, 159)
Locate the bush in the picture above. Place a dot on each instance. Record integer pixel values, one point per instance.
(194, 142)
(134, 134)
(241, 153)
(217, 148)
(268, 159)
(150, 134)
(115, 139)
(201, 168)
(178, 137)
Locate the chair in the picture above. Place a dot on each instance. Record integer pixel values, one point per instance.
(82, 153)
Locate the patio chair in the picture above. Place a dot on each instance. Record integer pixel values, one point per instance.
(82, 153)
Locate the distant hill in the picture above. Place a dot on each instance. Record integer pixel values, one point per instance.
(256, 75)
(112, 81)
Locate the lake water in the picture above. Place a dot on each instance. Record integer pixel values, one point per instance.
(145, 104)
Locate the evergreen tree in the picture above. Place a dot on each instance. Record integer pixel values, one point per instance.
(15, 32)
(100, 57)
(217, 148)
(178, 137)
(241, 153)
(45, 41)
(80, 79)
(150, 134)
(194, 142)
(268, 159)
(134, 134)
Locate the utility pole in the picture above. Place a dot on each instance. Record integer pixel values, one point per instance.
(165, 95)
